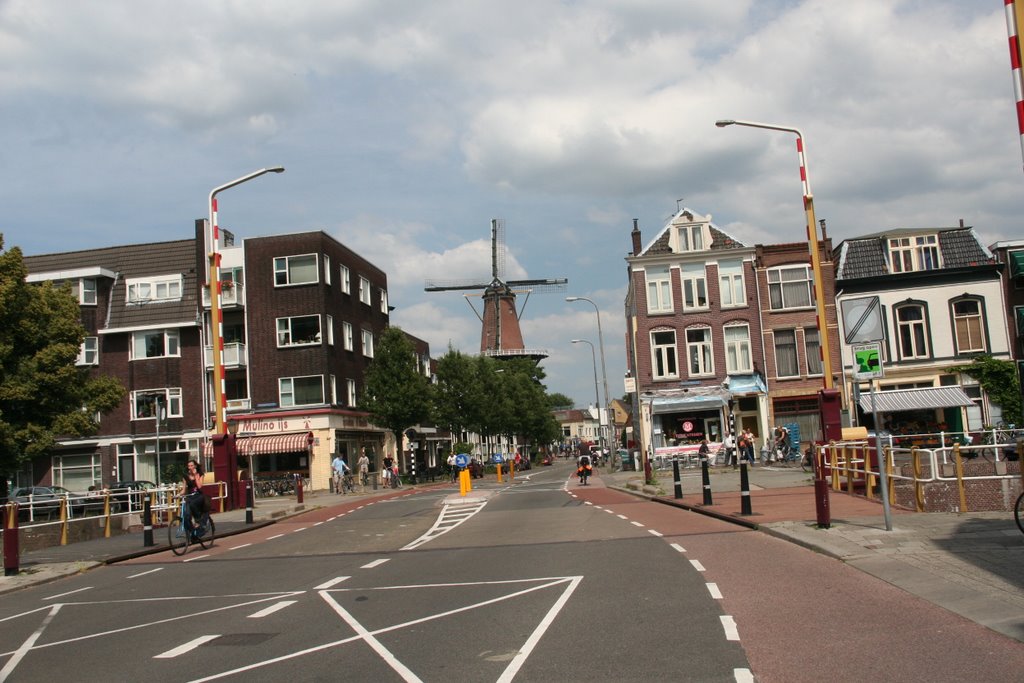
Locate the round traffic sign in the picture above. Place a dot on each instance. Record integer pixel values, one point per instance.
(498, 457)
(461, 460)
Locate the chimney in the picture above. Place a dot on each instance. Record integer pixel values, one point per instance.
(636, 237)
(961, 222)
(824, 232)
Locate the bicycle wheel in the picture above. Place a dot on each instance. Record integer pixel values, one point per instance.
(176, 536)
(209, 531)
(807, 462)
(1018, 512)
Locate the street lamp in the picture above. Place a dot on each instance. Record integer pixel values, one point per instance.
(216, 314)
(812, 239)
(597, 398)
(604, 374)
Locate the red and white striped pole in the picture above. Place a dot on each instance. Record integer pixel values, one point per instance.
(217, 323)
(1014, 17)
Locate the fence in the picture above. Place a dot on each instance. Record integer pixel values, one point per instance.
(947, 478)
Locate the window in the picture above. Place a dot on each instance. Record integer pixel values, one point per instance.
(346, 280)
(346, 336)
(384, 301)
(145, 402)
(364, 290)
(155, 344)
(327, 269)
(789, 287)
(368, 343)
(698, 351)
(659, 290)
(691, 238)
(89, 352)
(330, 330)
(334, 390)
(967, 324)
(695, 286)
(84, 289)
(295, 270)
(911, 331)
(301, 391)
(351, 391)
(737, 349)
(730, 283)
(152, 290)
(298, 331)
(812, 351)
(77, 472)
(663, 354)
(786, 364)
(907, 254)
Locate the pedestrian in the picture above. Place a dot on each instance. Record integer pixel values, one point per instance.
(340, 468)
(730, 451)
(747, 446)
(387, 473)
(364, 468)
(451, 467)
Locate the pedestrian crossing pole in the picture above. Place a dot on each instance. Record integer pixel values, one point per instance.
(147, 523)
(676, 479)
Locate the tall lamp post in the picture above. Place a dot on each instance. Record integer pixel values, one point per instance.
(604, 374)
(812, 240)
(224, 467)
(597, 397)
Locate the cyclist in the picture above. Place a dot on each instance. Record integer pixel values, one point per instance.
(364, 468)
(340, 468)
(197, 503)
(781, 443)
(583, 469)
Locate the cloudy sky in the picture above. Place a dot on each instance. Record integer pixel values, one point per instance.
(406, 126)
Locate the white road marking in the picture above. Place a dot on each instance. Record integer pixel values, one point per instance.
(636, 523)
(697, 565)
(197, 557)
(713, 589)
(271, 538)
(587, 502)
(273, 608)
(375, 563)
(333, 582)
(318, 524)
(622, 516)
(135, 576)
(452, 515)
(185, 647)
(236, 547)
(61, 595)
(678, 547)
(743, 676)
(729, 624)
(652, 532)
(20, 653)
(301, 528)
(610, 512)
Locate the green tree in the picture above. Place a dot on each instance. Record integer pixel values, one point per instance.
(397, 394)
(999, 380)
(44, 396)
(556, 401)
(457, 394)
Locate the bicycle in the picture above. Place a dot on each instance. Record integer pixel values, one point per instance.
(180, 538)
(348, 484)
(1018, 512)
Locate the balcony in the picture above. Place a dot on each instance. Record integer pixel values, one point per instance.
(234, 355)
(232, 294)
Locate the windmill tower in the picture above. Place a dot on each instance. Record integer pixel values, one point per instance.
(500, 334)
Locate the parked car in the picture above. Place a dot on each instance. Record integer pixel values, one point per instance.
(122, 491)
(547, 460)
(43, 502)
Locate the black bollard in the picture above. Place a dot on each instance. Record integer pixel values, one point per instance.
(676, 479)
(705, 478)
(745, 508)
(10, 522)
(248, 501)
(147, 524)
(298, 489)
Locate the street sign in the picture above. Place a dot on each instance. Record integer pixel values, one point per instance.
(862, 320)
(867, 361)
(461, 460)
(498, 458)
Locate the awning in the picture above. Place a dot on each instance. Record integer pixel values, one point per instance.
(1016, 263)
(916, 399)
(270, 443)
(746, 384)
(697, 399)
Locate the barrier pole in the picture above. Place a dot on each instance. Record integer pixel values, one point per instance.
(499, 472)
(63, 521)
(106, 515)
(147, 523)
(869, 475)
(248, 501)
(677, 482)
(298, 489)
(833, 459)
(849, 469)
(960, 477)
(745, 507)
(705, 480)
(915, 458)
(11, 550)
(888, 471)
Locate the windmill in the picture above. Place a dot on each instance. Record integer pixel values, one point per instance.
(500, 336)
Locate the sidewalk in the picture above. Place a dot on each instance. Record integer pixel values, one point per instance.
(970, 563)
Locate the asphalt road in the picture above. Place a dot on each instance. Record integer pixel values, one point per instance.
(523, 581)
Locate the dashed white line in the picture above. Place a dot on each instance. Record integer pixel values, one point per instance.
(587, 502)
(301, 528)
(622, 516)
(697, 565)
(135, 576)
(273, 608)
(375, 563)
(271, 538)
(743, 676)
(318, 524)
(678, 548)
(652, 532)
(61, 595)
(636, 523)
(197, 557)
(236, 547)
(729, 624)
(610, 512)
(333, 582)
(185, 647)
(713, 589)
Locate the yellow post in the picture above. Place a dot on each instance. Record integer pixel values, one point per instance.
(960, 477)
(63, 521)
(869, 476)
(834, 465)
(106, 515)
(465, 486)
(499, 472)
(511, 470)
(888, 473)
(915, 458)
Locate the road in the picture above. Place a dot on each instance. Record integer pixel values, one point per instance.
(541, 580)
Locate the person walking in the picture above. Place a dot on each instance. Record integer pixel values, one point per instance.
(747, 446)
(340, 468)
(730, 452)
(364, 468)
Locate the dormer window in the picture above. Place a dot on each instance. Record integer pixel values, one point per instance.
(691, 237)
(908, 254)
(154, 289)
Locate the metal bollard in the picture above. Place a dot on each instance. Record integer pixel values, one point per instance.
(705, 479)
(677, 481)
(745, 508)
(298, 489)
(147, 524)
(248, 501)
(11, 549)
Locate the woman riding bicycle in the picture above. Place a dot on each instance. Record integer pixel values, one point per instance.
(197, 503)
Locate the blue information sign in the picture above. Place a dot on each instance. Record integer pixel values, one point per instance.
(461, 460)
(498, 458)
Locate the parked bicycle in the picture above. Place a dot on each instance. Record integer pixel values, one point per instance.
(180, 538)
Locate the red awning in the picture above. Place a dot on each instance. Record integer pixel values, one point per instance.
(271, 443)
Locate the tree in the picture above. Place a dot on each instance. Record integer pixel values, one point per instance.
(44, 395)
(556, 401)
(999, 380)
(397, 394)
(457, 395)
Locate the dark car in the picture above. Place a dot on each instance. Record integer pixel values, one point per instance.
(43, 502)
(124, 495)
(476, 469)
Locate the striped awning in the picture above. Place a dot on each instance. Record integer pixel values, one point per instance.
(916, 399)
(299, 442)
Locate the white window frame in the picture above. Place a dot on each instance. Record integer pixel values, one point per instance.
(334, 390)
(283, 270)
(796, 355)
(367, 342)
(777, 287)
(171, 344)
(346, 280)
(92, 464)
(693, 279)
(384, 301)
(664, 355)
(140, 408)
(286, 333)
(979, 344)
(351, 392)
(911, 328)
(738, 358)
(327, 269)
(364, 290)
(89, 352)
(329, 324)
(731, 284)
(347, 337)
(85, 289)
(286, 390)
(659, 290)
(700, 355)
(691, 237)
(158, 289)
(914, 253)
